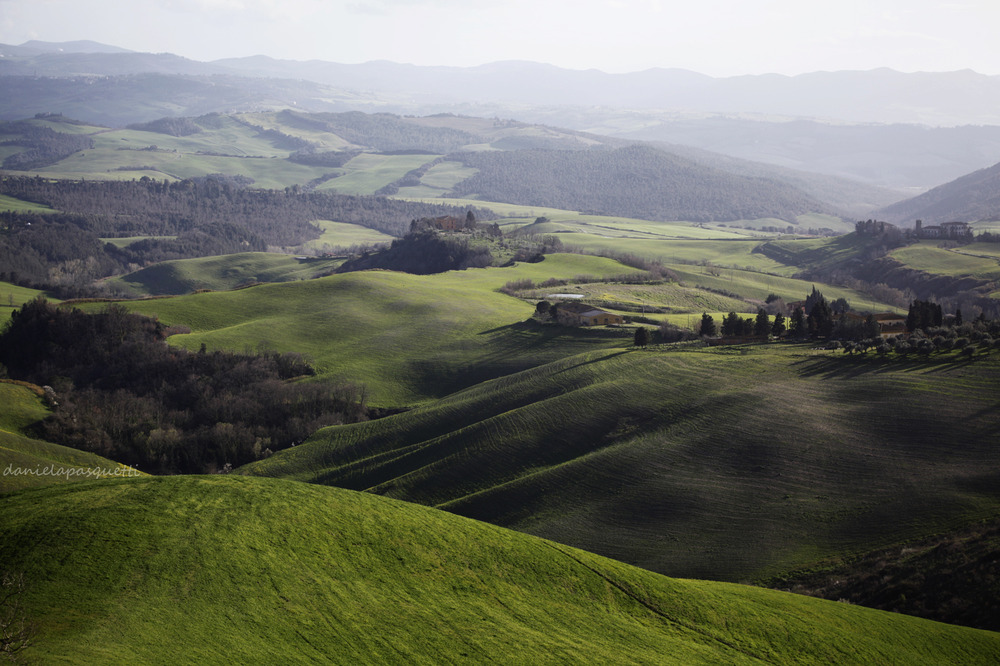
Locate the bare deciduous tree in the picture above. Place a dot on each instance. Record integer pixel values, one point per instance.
(16, 632)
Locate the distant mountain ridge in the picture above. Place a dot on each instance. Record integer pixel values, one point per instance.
(906, 131)
(879, 95)
(971, 198)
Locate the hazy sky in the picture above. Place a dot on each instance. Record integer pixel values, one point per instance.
(716, 37)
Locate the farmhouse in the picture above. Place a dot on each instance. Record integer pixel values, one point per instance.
(889, 323)
(582, 314)
(957, 230)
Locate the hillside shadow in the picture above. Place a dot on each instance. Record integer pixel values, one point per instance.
(841, 366)
(596, 360)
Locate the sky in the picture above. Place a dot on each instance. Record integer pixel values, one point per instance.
(714, 37)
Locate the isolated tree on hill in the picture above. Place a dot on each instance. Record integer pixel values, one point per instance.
(16, 632)
(641, 337)
(543, 308)
(707, 327)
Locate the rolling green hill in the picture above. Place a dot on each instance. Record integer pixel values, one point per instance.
(26, 462)
(729, 463)
(239, 570)
(222, 272)
(435, 156)
(406, 337)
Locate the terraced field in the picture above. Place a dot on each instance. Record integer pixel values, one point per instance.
(228, 569)
(730, 463)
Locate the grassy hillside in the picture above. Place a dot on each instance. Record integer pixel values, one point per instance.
(26, 462)
(228, 569)
(18, 206)
(12, 297)
(965, 261)
(222, 272)
(341, 234)
(406, 337)
(971, 197)
(729, 463)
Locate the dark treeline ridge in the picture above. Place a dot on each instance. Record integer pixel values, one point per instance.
(634, 181)
(207, 216)
(122, 393)
(45, 145)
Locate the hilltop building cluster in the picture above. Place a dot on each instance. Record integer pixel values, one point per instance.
(959, 231)
(949, 230)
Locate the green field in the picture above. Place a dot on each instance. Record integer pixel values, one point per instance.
(10, 204)
(729, 463)
(344, 235)
(438, 181)
(368, 172)
(128, 240)
(12, 297)
(222, 272)
(406, 337)
(228, 570)
(960, 262)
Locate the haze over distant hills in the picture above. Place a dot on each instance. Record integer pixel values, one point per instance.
(975, 196)
(909, 131)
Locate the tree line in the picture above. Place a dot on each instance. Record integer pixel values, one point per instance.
(200, 217)
(118, 391)
(44, 145)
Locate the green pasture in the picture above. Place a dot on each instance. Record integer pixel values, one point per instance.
(608, 227)
(326, 140)
(982, 250)
(272, 173)
(756, 285)
(343, 234)
(406, 337)
(369, 172)
(26, 462)
(128, 240)
(228, 138)
(67, 128)
(12, 205)
(926, 256)
(222, 272)
(228, 570)
(13, 297)
(669, 296)
(438, 181)
(732, 463)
